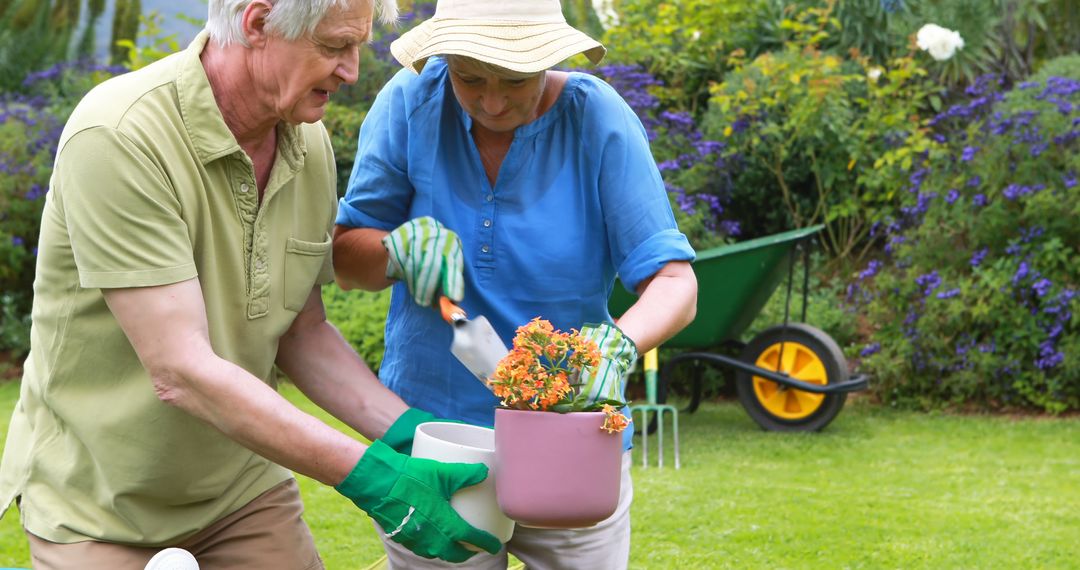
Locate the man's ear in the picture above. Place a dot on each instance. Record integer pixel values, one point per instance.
(254, 22)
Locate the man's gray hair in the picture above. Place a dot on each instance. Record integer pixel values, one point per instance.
(289, 19)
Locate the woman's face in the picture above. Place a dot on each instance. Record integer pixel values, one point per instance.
(495, 102)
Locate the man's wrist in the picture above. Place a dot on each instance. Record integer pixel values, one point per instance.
(399, 436)
(373, 476)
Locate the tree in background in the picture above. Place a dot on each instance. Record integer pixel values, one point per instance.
(125, 27)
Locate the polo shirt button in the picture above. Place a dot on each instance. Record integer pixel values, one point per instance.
(490, 197)
(260, 264)
(487, 223)
(485, 249)
(244, 187)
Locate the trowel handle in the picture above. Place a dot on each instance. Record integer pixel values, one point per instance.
(451, 313)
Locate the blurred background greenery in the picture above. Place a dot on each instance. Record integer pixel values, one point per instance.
(947, 268)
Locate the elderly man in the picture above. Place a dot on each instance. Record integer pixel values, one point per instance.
(183, 244)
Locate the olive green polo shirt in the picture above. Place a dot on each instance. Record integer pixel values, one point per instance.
(150, 188)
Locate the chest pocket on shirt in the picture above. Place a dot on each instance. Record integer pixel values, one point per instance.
(304, 264)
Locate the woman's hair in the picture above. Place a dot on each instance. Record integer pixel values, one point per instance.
(289, 19)
(486, 67)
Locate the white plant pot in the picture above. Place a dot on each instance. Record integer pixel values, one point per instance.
(463, 443)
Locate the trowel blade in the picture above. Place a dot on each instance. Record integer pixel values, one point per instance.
(478, 346)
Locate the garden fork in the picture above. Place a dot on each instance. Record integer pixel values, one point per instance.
(659, 410)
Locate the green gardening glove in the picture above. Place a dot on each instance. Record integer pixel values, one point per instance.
(617, 354)
(410, 499)
(427, 256)
(400, 434)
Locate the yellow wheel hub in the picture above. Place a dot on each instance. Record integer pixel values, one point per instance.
(800, 363)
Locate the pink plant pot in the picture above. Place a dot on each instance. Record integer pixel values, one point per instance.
(556, 470)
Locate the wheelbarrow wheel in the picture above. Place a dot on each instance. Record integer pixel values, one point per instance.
(805, 353)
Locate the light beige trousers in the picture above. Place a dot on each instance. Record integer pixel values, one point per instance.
(267, 533)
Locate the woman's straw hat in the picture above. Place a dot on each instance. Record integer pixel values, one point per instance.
(527, 36)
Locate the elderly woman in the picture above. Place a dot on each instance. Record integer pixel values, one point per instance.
(520, 191)
(182, 250)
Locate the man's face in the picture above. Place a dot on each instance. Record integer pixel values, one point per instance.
(496, 103)
(302, 73)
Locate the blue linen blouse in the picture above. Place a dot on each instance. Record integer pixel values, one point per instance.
(578, 200)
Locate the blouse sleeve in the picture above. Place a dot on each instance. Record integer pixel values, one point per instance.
(379, 193)
(641, 228)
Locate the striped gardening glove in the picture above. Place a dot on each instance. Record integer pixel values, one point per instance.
(617, 354)
(427, 257)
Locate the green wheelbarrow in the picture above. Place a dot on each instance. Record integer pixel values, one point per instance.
(790, 377)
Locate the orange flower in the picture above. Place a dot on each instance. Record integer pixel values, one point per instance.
(537, 373)
(615, 421)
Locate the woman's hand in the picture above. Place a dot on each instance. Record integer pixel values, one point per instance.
(427, 256)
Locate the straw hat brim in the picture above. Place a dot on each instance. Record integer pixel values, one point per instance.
(526, 47)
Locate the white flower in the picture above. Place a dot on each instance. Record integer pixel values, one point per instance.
(874, 73)
(605, 12)
(942, 43)
(695, 35)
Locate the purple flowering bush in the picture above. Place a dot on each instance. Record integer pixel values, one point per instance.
(975, 301)
(27, 142)
(697, 171)
(698, 175)
(30, 127)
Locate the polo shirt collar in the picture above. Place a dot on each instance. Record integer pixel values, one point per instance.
(202, 118)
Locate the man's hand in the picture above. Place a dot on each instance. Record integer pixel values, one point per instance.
(410, 499)
(617, 355)
(427, 256)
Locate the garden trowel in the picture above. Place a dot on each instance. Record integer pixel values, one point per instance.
(475, 344)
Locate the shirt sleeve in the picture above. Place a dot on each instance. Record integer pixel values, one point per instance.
(121, 212)
(639, 222)
(379, 193)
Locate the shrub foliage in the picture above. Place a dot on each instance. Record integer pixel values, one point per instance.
(975, 300)
(29, 130)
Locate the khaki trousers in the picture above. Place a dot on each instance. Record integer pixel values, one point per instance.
(267, 533)
(605, 546)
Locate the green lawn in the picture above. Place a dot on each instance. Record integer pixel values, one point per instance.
(877, 489)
